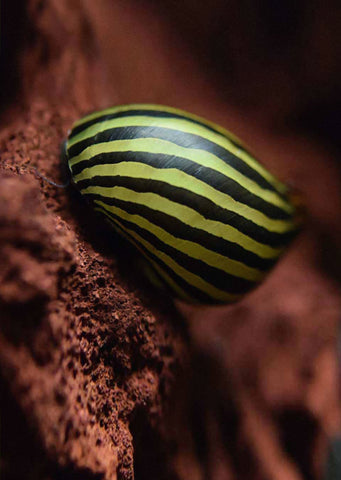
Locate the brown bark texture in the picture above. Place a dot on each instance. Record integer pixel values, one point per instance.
(101, 377)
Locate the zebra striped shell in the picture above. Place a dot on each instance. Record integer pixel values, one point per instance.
(207, 217)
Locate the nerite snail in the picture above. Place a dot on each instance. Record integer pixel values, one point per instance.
(205, 214)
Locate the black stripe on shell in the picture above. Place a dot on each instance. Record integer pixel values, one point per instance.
(211, 177)
(211, 212)
(182, 139)
(214, 276)
(197, 294)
